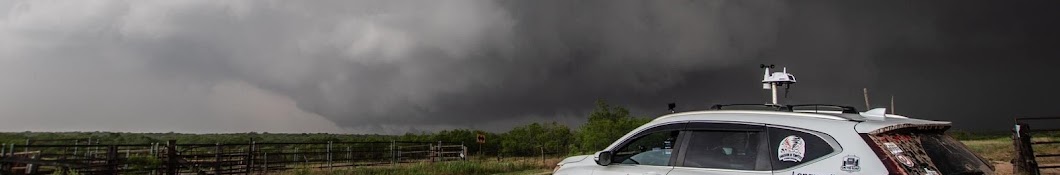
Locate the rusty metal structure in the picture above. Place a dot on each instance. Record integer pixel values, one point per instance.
(1026, 159)
(173, 158)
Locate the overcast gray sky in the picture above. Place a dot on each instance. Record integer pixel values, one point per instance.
(411, 66)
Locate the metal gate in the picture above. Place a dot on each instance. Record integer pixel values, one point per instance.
(240, 158)
(1026, 159)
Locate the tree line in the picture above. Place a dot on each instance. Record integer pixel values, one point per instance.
(605, 124)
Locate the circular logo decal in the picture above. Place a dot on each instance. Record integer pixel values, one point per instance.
(905, 160)
(791, 149)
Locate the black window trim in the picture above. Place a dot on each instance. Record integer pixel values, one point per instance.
(836, 148)
(689, 128)
(680, 126)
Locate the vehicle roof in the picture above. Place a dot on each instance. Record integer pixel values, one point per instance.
(873, 125)
(798, 119)
(829, 122)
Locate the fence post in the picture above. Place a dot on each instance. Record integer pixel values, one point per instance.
(128, 153)
(265, 166)
(250, 156)
(95, 149)
(88, 150)
(4, 166)
(7, 167)
(217, 157)
(112, 159)
(393, 153)
(32, 168)
(329, 155)
(543, 155)
(1023, 162)
(154, 154)
(171, 157)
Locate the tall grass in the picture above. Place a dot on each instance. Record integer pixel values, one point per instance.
(471, 167)
(1000, 149)
(996, 149)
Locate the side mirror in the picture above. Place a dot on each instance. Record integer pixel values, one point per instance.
(603, 158)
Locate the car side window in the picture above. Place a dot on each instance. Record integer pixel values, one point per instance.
(736, 150)
(654, 148)
(731, 146)
(791, 148)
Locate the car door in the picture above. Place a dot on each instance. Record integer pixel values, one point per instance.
(722, 148)
(649, 152)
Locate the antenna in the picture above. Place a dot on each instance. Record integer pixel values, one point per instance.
(672, 106)
(772, 81)
(866, 92)
(893, 104)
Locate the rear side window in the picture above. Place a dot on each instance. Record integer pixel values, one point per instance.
(951, 156)
(790, 148)
(917, 152)
(736, 150)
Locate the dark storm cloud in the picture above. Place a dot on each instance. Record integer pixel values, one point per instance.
(555, 58)
(400, 66)
(978, 63)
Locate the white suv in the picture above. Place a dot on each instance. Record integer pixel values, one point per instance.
(789, 140)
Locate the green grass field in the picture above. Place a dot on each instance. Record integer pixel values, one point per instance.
(997, 148)
(1000, 149)
(477, 165)
(1000, 152)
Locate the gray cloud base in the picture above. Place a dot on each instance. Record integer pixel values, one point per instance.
(411, 66)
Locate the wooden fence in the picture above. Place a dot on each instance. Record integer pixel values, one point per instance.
(248, 158)
(1026, 160)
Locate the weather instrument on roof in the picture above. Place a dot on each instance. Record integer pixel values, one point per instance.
(776, 79)
(672, 106)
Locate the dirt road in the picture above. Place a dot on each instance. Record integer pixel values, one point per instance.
(1006, 168)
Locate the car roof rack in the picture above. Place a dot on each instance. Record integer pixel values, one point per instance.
(827, 107)
(774, 107)
(788, 108)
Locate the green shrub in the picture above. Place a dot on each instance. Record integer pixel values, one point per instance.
(606, 124)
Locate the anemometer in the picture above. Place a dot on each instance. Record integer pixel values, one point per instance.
(776, 79)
